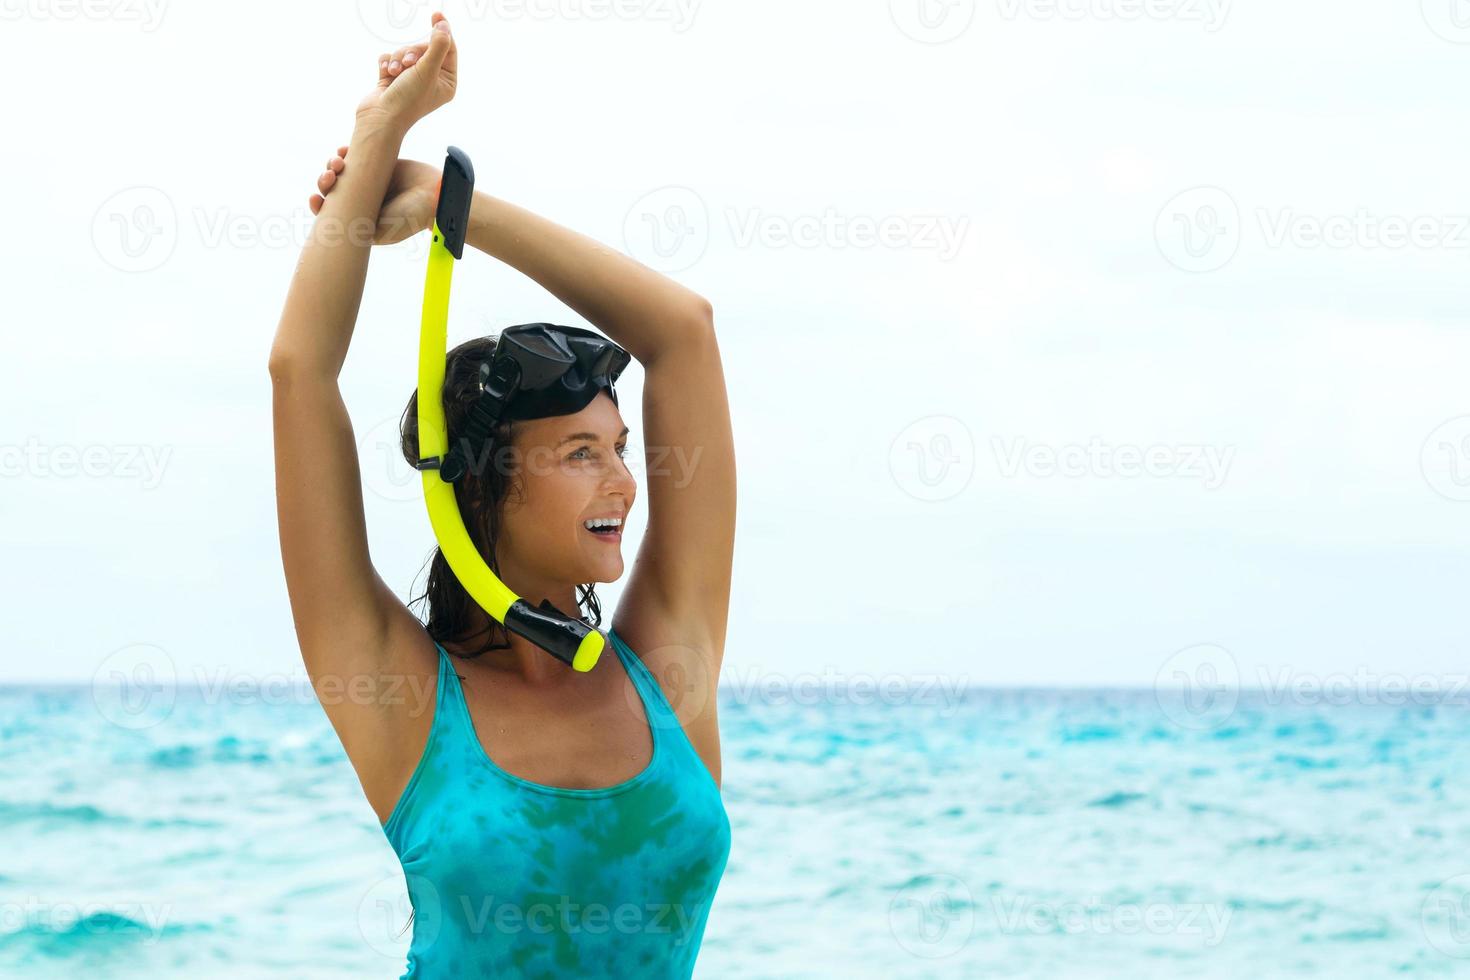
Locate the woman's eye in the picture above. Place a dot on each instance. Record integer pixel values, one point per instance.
(622, 452)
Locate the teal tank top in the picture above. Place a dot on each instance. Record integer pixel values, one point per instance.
(510, 878)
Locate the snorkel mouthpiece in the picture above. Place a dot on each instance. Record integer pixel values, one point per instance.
(569, 640)
(549, 628)
(456, 190)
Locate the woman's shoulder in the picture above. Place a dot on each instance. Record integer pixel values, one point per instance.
(685, 661)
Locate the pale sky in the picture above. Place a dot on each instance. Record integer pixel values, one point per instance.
(969, 263)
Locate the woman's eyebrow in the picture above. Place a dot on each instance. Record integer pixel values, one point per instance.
(589, 436)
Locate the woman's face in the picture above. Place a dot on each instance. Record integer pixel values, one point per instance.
(569, 468)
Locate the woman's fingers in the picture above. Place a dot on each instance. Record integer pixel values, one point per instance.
(404, 58)
(328, 178)
(393, 65)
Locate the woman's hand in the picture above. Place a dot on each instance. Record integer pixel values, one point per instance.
(415, 80)
(408, 206)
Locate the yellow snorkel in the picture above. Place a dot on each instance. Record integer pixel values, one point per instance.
(569, 640)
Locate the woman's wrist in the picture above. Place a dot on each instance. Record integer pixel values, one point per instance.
(380, 128)
(482, 221)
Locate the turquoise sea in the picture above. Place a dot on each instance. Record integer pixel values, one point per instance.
(994, 833)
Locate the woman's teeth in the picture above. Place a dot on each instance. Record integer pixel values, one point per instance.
(605, 527)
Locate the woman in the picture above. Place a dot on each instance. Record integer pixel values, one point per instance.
(550, 822)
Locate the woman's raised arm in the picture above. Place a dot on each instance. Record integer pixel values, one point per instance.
(350, 625)
(677, 598)
(335, 595)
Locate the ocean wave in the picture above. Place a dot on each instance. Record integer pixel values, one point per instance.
(91, 933)
(1118, 799)
(290, 749)
(54, 817)
(1306, 761)
(1091, 733)
(78, 814)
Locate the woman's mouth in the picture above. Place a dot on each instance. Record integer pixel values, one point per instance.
(608, 530)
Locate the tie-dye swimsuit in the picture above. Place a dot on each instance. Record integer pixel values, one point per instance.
(510, 878)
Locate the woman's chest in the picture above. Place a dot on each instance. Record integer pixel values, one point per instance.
(667, 838)
(590, 738)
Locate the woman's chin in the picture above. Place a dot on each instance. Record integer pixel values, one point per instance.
(606, 567)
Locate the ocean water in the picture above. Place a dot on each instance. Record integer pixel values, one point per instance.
(1024, 833)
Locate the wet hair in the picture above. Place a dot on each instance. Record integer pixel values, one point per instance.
(481, 495)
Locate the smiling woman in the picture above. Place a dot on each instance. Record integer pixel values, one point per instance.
(519, 786)
(502, 451)
(536, 371)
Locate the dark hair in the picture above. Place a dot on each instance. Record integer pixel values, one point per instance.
(480, 494)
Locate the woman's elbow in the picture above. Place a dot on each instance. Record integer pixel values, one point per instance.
(704, 312)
